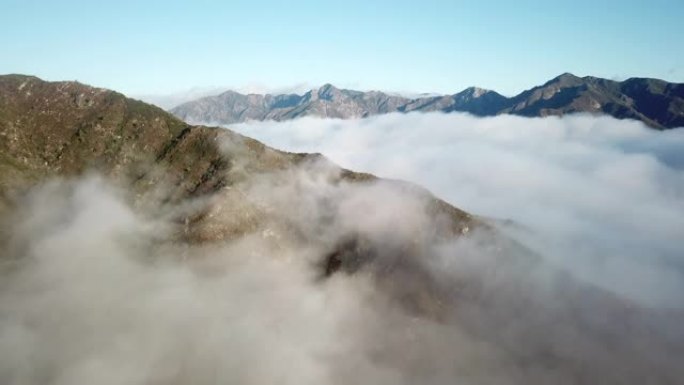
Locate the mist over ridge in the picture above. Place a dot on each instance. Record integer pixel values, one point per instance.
(602, 195)
(342, 192)
(137, 248)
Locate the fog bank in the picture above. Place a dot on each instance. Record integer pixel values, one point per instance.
(325, 281)
(602, 197)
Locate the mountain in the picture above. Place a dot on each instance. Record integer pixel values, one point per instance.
(67, 129)
(440, 291)
(328, 101)
(655, 102)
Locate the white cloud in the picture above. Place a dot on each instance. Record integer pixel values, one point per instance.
(601, 196)
(96, 289)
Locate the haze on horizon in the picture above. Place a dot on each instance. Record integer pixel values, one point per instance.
(155, 47)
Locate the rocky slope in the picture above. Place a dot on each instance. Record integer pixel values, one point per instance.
(67, 129)
(657, 103)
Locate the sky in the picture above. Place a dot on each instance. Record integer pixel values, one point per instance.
(161, 47)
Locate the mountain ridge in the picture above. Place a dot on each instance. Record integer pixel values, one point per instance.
(657, 103)
(69, 129)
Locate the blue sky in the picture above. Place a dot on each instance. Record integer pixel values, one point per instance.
(140, 47)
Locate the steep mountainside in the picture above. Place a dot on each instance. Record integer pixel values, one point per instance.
(657, 103)
(67, 129)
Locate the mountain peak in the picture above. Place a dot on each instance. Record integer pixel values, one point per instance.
(328, 92)
(474, 92)
(229, 93)
(565, 79)
(327, 86)
(567, 76)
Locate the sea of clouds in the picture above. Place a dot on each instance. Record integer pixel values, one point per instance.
(601, 197)
(97, 286)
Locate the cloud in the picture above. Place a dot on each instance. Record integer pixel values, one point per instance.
(600, 196)
(93, 291)
(329, 282)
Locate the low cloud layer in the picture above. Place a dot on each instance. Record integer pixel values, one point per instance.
(328, 282)
(600, 196)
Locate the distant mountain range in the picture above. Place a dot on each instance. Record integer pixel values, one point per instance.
(657, 103)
